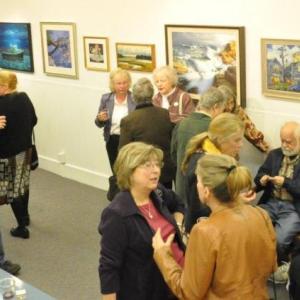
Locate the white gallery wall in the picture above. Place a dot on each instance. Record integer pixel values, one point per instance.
(68, 142)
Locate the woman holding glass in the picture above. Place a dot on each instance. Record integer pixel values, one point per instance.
(127, 270)
(113, 107)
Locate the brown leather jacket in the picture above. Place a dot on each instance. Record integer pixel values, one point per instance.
(229, 256)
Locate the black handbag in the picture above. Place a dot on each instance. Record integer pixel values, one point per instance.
(34, 163)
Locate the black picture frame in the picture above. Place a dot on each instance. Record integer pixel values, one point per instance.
(16, 47)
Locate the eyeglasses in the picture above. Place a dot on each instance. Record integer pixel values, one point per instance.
(148, 165)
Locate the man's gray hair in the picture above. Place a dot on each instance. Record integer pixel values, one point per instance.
(142, 90)
(210, 98)
(296, 127)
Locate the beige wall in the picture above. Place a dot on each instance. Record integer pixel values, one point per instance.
(66, 108)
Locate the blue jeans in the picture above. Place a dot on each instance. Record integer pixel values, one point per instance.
(286, 221)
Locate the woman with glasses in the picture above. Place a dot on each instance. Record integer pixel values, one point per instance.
(231, 254)
(127, 270)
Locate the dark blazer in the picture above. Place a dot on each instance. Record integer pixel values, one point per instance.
(271, 167)
(126, 257)
(20, 118)
(151, 125)
(108, 102)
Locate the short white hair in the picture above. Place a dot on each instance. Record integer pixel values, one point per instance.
(167, 71)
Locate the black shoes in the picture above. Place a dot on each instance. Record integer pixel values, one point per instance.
(10, 267)
(21, 232)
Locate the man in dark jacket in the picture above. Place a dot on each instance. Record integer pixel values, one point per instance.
(151, 125)
(209, 106)
(279, 177)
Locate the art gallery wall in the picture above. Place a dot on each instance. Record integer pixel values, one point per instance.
(69, 143)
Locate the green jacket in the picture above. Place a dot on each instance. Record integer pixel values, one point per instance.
(194, 124)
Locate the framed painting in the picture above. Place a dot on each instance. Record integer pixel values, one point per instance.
(59, 49)
(96, 53)
(136, 57)
(16, 47)
(206, 56)
(281, 68)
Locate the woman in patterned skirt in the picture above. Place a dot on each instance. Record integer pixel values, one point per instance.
(15, 150)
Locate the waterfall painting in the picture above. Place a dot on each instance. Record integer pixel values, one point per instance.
(206, 56)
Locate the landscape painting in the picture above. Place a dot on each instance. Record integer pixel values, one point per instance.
(16, 47)
(59, 52)
(206, 56)
(281, 68)
(136, 57)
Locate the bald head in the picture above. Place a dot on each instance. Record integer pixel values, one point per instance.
(290, 138)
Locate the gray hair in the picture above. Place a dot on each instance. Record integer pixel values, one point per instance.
(142, 90)
(167, 71)
(227, 92)
(210, 98)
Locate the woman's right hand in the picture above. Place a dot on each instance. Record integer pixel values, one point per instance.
(2, 122)
(103, 116)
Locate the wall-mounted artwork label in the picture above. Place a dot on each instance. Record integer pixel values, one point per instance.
(16, 47)
(59, 49)
(281, 68)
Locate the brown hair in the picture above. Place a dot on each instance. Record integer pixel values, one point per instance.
(132, 156)
(222, 174)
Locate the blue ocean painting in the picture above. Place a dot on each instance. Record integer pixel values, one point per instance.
(15, 47)
(59, 51)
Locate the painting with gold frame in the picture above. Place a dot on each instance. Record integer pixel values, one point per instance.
(281, 68)
(59, 49)
(136, 57)
(206, 56)
(96, 53)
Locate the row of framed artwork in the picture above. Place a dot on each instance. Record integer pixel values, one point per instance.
(59, 50)
(202, 55)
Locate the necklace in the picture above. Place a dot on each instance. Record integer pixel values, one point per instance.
(149, 212)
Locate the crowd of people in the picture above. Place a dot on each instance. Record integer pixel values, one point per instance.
(183, 222)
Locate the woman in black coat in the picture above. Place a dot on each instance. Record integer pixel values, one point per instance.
(15, 150)
(127, 270)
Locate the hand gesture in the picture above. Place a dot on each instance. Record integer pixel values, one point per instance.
(2, 122)
(158, 243)
(103, 115)
(264, 180)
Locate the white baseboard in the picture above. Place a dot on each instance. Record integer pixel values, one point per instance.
(73, 172)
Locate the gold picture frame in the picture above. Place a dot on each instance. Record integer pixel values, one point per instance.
(280, 68)
(96, 53)
(59, 49)
(136, 57)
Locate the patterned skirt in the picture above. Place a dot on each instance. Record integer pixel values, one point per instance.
(14, 176)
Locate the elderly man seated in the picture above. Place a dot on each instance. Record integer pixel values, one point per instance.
(279, 177)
